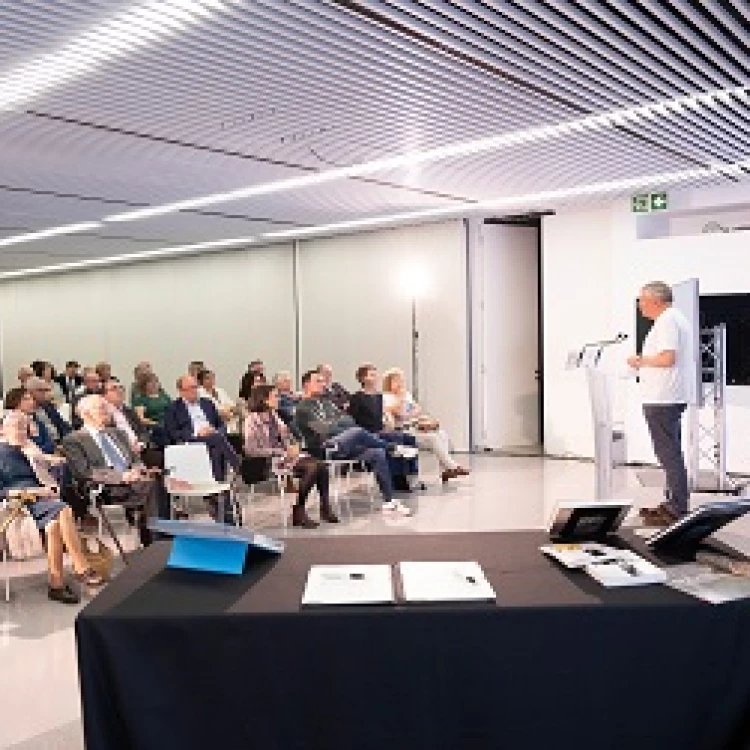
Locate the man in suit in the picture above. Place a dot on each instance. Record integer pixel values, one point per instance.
(101, 453)
(90, 385)
(70, 380)
(190, 419)
(124, 417)
(45, 411)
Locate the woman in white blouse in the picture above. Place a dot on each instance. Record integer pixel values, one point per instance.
(227, 409)
(403, 412)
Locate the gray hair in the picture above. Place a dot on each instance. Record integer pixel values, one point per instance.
(659, 290)
(87, 403)
(281, 375)
(35, 384)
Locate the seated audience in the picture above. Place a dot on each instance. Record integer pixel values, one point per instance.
(191, 419)
(21, 401)
(406, 414)
(246, 383)
(207, 388)
(46, 372)
(124, 417)
(91, 386)
(24, 468)
(151, 402)
(366, 408)
(288, 399)
(46, 412)
(70, 380)
(102, 454)
(328, 430)
(265, 434)
(333, 390)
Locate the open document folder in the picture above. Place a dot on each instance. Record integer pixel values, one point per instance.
(348, 584)
(444, 582)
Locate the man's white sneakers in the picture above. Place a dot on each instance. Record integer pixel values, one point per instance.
(396, 506)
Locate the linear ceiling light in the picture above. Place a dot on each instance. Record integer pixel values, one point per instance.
(665, 108)
(17, 239)
(517, 201)
(115, 37)
(128, 257)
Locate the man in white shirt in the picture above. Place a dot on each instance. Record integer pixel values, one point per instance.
(665, 369)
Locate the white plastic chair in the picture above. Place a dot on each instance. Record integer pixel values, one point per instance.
(279, 475)
(340, 468)
(189, 462)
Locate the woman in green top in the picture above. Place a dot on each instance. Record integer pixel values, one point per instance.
(151, 401)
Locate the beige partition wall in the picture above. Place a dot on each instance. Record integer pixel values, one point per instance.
(223, 308)
(355, 307)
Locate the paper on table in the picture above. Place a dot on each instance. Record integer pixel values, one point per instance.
(444, 582)
(349, 584)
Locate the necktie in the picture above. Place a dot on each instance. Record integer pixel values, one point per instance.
(113, 456)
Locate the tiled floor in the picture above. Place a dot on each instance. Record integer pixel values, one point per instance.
(39, 705)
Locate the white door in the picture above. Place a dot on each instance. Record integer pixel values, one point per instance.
(507, 284)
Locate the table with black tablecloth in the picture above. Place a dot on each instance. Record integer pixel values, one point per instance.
(177, 659)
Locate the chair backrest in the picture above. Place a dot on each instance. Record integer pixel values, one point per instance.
(188, 462)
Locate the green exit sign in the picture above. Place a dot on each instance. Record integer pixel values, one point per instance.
(658, 201)
(641, 204)
(645, 202)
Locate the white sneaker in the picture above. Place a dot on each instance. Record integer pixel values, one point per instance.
(396, 506)
(405, 451)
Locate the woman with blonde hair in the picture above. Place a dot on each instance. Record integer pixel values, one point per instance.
(404, 413)
(25, 469)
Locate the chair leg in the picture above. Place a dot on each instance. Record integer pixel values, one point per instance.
(104, 519)
(282, 500)
(5, 568)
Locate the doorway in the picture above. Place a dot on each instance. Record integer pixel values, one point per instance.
(507, 337)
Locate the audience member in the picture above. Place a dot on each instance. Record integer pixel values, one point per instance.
(124, 417)
(24, 373)
(100, 453)
(328, 430)
(46, 412)
(207, 388)
(19, 400)
(249, 381)
(265, 434)
(46, 372)
(139, 373)
(366, 408)
(150, 401)
(287, 398)
(104, 371)
(91, 386)
(407, 414)
(195, 367)
(24, 469)
(333, 390)
(191, 419)
(246, 383)
(70, 380)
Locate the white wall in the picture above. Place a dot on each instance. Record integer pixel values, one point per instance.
(353, 309)
(224, 308)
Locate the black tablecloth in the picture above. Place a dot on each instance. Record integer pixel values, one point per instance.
(174, 659)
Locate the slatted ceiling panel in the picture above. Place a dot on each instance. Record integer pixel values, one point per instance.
(310, 84)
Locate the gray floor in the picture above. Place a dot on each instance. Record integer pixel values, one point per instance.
(37, 650)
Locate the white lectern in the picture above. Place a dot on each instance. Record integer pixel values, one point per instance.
(606, 437)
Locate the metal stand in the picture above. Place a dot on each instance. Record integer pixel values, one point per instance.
(708, 444)
(414, 350)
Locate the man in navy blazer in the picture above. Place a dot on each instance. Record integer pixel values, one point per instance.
(190, 419)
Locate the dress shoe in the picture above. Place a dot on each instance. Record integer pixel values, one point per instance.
(300, 518)
(401, 483)
(63, 594)
(327, 515)
(661, 515)
(461, 471)
(448, 474)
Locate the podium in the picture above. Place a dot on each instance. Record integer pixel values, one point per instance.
(609, 439)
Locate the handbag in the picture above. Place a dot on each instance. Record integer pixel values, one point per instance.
(100, 559)
(22, 537)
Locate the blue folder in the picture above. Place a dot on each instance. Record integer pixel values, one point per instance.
(212, 547)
